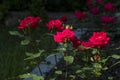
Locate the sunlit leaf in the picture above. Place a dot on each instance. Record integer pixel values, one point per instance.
(25, 42)
(33, 56)
(69, 59)
(78, 71)
(116, 56)
(58, 72)
(15, 33)
(94, 51)
(60, 49)
(33, 76)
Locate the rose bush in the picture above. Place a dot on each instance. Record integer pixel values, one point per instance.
(82, 59)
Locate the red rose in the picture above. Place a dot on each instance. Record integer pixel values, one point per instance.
(63, 18)
(75, 42)
(87, 44)
(96, 57)
(64, 36)
(99, 1)
(29, 21)
(80, 15)
(107, 19)
(89, 2)
(55, 24)
(95, 10)
(59, 38)
(99, 39)
(109, 7)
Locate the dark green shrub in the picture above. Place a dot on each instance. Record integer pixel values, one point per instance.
(37, 9)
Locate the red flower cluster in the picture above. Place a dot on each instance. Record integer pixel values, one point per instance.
(64, 36)
(55, 24)
(87, 44)
(109, 7)
(63, 18)
(75, 42)
(99, 1)
(107, 19)
(29, 21)
(99, 39)
(95, 10)
(89, 2)
(80, 15)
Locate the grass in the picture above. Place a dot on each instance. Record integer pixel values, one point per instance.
(12, 55)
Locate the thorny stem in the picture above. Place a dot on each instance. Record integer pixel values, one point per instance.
(66, 74)
(115, 64)
(29, 31)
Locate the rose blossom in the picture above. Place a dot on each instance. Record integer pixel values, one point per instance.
(95, 10)
(107, 19)
(99, 39)
(75, 42)
(55, 24)
(64, 36)
(89, 2)
(80, 15)
(87, 44)
(99, 1)
(96, 57)
(109, 7)
(29, 21)
(63, 18)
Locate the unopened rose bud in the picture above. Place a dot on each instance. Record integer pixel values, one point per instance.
(69, 27)
(96, 57)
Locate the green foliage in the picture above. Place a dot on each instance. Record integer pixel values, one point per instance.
(116, 56)
(34, 56)
(17, 5)
(25, 42)
(38, 10)
(64, 5)
(33, 76)
(69, 59)
(15, 33)
(3, 12)
(12, 56)
(58, 72)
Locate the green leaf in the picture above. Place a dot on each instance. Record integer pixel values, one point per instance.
(78, 71)
(97, 66)
(105, 68)
(110, 78)
(116, 56)
(53, 78)
(87, 68)
(58, 72)
(91, 59)
(15, 33)
(72, 76)
(61, 49)
(33, 56)
(94, 51)
(69, 59)
(25, 42)
(29, 54)
(35, 77)
(28, 75)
